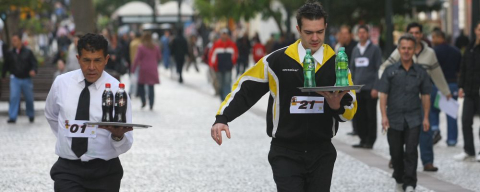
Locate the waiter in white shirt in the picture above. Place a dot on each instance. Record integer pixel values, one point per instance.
(88, 160)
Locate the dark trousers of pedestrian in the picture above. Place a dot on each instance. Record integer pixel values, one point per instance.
(471, 106)
(96, 175)
(404, 154)
(366, 117)
(242, 65)
(426, 147)
(307, 171)
(434, 116)
(179, 65)
(151, 94)
(190, 62)
(225, 80)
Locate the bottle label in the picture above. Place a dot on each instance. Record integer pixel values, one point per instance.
(306, 105)
(77, 128)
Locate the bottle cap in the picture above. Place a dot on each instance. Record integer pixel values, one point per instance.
(341, 49)
(121, 85)
(309, 51)
(107, 85)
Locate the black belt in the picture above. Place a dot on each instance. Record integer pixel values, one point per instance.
(93, 161)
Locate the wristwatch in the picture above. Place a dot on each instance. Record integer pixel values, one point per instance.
(117, 138)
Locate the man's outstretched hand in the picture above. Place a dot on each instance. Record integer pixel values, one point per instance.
(217, 132)
(333, 99)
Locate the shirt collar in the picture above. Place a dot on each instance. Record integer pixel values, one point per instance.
(79, 78)
(364, 47)
(318, 55)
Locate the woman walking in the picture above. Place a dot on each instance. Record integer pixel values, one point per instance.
(147, 58)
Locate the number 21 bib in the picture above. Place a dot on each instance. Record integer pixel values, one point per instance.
(306, 104)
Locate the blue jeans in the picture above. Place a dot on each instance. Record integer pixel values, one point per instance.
(434, 117)
(225, 80)
(18, 86)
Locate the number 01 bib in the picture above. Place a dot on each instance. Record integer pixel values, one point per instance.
(306, 104)
(76, 128)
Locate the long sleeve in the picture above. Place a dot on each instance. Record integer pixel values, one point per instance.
(33, 61)
(6, 67)
(248, 89)
(126, 143)
(437, 76)
(377, 59)
(463, 68)
(138, 59)
(348, 104)
(394, 57)
(52, 109)
(235, 55)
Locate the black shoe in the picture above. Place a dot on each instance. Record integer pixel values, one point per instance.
(143, 105)
(363, 146)
(367, 146)
(31, 119)
(353, 133)
(436, 137)
(11, 121)
(429, 167)
(358, 146)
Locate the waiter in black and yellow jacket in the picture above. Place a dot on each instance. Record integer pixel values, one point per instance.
(301, 154)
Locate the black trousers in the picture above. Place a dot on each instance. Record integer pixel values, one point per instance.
(96, 175)
(366, 117)
(471, 107)
(151, 94)
(297, 171)
(404, 161)
(179, 65)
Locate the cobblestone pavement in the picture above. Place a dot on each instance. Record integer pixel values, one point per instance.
(178, 154)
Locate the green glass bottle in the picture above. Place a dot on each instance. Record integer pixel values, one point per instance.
(309, 70)
(341, 68)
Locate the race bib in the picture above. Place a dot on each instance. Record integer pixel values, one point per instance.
(306, 104)
(361, 62)
(77, 128)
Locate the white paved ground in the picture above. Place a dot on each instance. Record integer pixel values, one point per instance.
(177, 154)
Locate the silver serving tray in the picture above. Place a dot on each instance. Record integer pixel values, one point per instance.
(330, 88)
(118, 124)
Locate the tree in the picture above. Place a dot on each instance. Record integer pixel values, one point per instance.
(11, 10)
(83, 16)
(348, 12)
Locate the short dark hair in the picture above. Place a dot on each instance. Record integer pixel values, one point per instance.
(92, 42)
(311, 11)
(414, 24)
(363, 27)
(349, 29)
(439, 33)
(408, 37)
(18, 34)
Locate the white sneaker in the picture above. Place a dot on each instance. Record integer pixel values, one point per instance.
(477, 158)
(463, 157)
(409, 189)
(399, 187)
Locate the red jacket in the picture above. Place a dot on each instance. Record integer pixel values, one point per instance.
(223, 55)
(258, 52)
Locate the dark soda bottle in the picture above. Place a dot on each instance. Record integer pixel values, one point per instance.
(121, 104)
(107, 104)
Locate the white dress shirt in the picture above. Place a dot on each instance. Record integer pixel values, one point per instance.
(364, 47)
(61, 105)
(318, 55)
